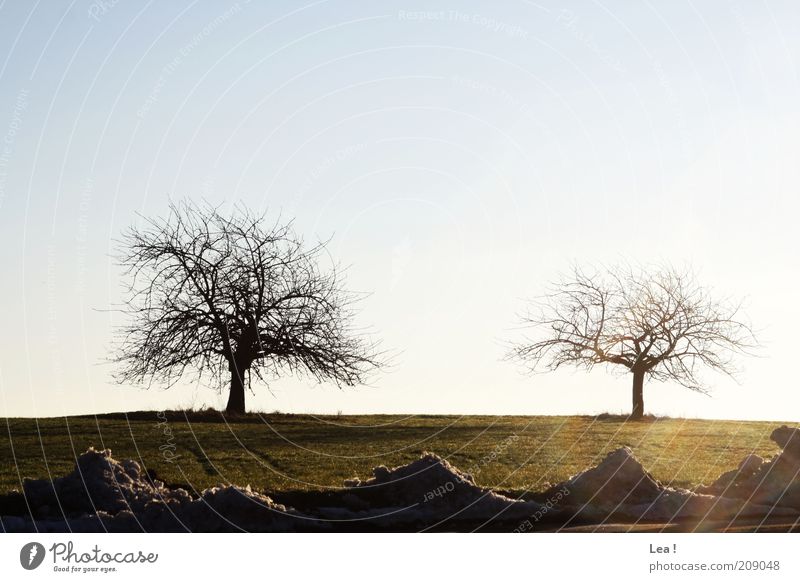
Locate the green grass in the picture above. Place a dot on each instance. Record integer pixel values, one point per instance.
(288, 452)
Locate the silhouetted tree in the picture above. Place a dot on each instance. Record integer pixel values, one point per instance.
(652, 323)
(220, 294)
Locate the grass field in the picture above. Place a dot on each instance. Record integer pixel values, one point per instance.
(295, 452)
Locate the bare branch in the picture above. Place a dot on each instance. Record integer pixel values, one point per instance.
(659, 322)
(212, 293)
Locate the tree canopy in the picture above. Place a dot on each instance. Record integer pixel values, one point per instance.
(213, 294)
(658, 323)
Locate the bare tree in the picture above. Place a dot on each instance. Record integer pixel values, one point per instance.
(657, 323)
(233, 295)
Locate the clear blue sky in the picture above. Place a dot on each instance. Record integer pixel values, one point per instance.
(460, 153)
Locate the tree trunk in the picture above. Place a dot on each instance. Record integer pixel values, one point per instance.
(638, 395)
(236, 395)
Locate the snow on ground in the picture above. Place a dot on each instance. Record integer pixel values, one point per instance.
(104, 494)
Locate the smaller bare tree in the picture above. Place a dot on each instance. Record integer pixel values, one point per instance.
(233, 296)
(656, 323)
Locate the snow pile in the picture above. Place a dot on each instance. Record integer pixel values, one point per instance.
(788, 439)
(102, 493)
(773, 482)
(620, 488)
(98, 482)
(430, 491)
(619, 478)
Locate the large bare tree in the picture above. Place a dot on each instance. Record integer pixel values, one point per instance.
(234, 297)
(657, 323)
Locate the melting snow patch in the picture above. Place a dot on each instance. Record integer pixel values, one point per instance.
(102, 493)
(432, 491)
(772, 482)
(619, 487)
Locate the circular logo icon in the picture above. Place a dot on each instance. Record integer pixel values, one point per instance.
(31, 555)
